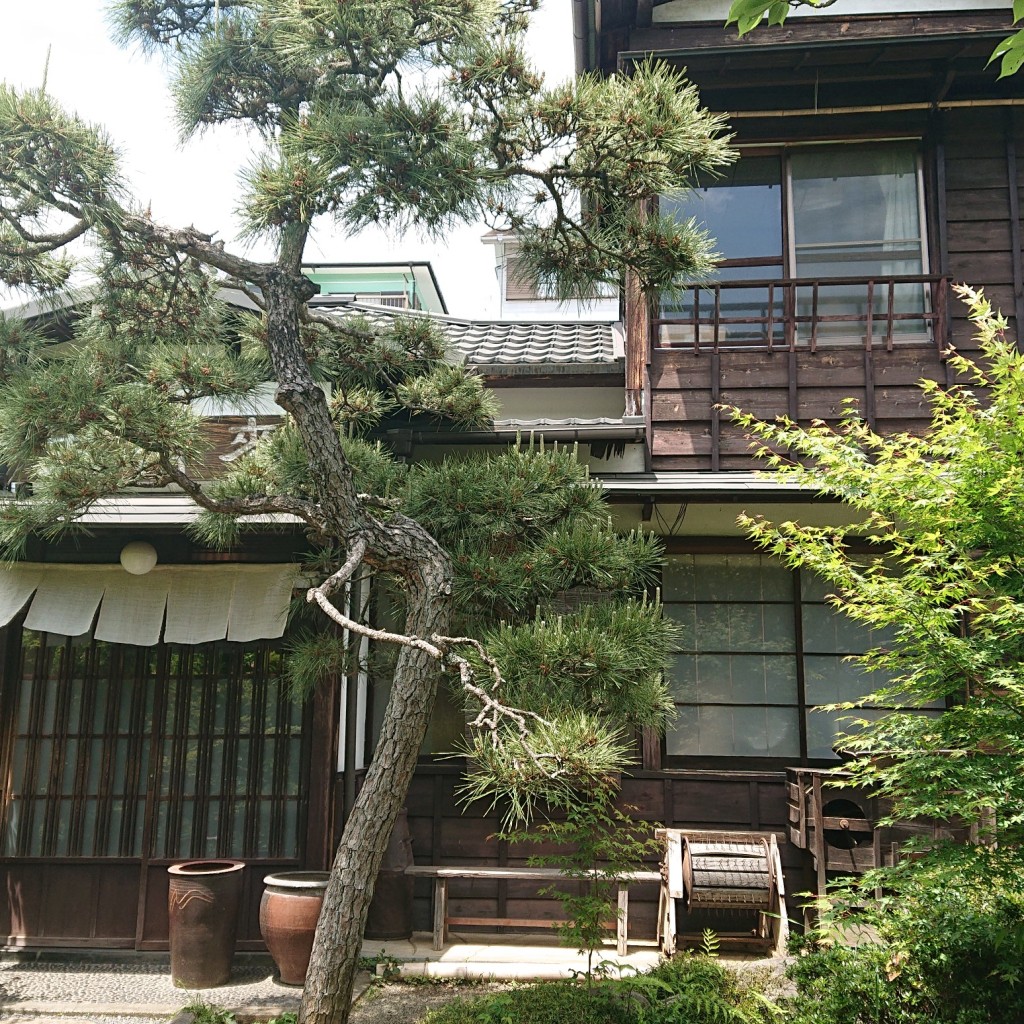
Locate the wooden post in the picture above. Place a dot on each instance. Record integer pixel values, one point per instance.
(440, 912)
(819, 835)
(638, 329)
(622, 922)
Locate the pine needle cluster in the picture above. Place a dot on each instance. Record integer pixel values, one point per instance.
(114, 408)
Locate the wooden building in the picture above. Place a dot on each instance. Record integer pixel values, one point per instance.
(145, 719)
(879, 164)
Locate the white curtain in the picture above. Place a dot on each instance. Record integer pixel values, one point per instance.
(186, 604)
(856, 213)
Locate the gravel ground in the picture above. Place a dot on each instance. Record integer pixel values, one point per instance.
(388, 1003)
(80, 991)
(404, 1003)
(104, 992)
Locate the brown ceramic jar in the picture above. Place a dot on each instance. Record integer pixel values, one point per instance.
(289, 911)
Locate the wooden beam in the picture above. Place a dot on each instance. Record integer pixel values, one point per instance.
(1015, 232)
(716, 414)
(835, 31)
(637, 343)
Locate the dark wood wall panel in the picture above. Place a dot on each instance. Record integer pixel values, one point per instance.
(981, 269)
(685, 435)
(982, 223)
(445, 833)
(970, 171)
(981, 236)
(977, 204)
(62, 904)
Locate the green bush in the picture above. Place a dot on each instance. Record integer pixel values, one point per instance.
(687, 990)
(951, 954)
(699, 990)
(843, 985)
(552, 1002)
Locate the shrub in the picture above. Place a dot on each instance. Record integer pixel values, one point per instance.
(687, 990)
(697, 989)
(844, 985)
(949, 953)
(553, 1002)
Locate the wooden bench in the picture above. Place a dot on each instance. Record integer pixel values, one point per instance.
(442, 874)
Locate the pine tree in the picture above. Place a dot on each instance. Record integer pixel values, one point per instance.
(399, 112)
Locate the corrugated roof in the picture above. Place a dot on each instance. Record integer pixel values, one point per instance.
(507, 343)
(172, 508)
(167, 508)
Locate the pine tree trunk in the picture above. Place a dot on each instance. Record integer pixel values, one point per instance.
(327, 996)
(396, 545)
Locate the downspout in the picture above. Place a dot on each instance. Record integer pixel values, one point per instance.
(582, 35)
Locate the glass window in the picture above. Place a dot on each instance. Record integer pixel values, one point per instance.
(856, 213)
(742, 211)
(734, 677)
(853, 211)
(745, 675)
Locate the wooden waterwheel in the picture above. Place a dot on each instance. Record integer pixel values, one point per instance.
(740, 872)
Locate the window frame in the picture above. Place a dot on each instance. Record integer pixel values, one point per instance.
(785, 264)
(802, 648)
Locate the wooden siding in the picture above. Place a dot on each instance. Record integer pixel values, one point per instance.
(225, 751)
(975, 191)
(689, 433)
(104, 904)
(983, 187)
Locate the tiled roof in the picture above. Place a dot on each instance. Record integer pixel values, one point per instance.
(504, 343)
(498, 343)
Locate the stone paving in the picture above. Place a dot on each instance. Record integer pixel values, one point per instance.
(75, 987)
(127, 990)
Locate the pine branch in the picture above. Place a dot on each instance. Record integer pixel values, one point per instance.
(41, 243)
(307, 511)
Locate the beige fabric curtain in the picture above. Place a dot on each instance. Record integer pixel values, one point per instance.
(17, 584)
(187, 604)
(198, 606)
(132, 611)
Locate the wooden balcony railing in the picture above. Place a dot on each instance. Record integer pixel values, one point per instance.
(804, 313)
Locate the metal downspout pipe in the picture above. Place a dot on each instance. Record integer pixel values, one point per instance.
(582, 34)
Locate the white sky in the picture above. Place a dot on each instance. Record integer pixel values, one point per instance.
(196, 184)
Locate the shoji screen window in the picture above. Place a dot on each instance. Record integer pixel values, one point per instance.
(831, 675)
(735, 675)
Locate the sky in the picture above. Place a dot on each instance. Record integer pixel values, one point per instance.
(195, 184)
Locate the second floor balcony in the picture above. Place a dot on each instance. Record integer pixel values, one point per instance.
(805, 313)
(801, 347)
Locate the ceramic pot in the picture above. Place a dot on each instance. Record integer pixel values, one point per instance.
(202, 910)
(390, 913)
(289, 911)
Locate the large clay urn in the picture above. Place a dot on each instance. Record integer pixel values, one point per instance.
(289, 911)
(202, 908)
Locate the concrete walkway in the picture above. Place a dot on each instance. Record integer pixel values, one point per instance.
(130, 988)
